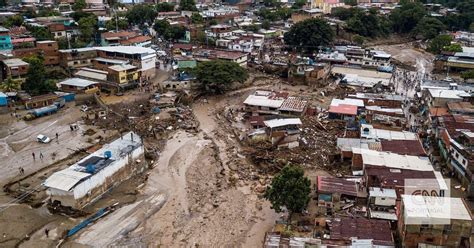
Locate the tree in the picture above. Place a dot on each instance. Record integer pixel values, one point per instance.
(350, 2)
(217, 77)
(266, 24)
(10, 85)
(359, 40)
(141, 14)
(187, 5)
(121, 23)
(429, 27)
(344, 13)
(88, 27)
(298, 4)
(164, 7)
(79, 5)
(13, 21)
(406, 17)
(367, 24)
(467, 75)
(289, 189)
(437, 44)
(48, 12)
(197, 18)
(165, 30)
(309, 34)
(40, 33)
(455, 48)
(36, 82)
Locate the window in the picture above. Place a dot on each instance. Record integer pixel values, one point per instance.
(464, 161)
(383, 198)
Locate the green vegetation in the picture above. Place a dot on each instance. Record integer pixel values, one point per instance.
(121, 23)
(164, 7)
(217, 77)
(298, 4)
(368, 24)
(40, 33)
(289, 189)
(467, 75)
(280, 13)
(10, 85)
(168, 32)
(197, 18)
(88, 27)
(13, 21)
(429, 27)
(36, 82)
(79, 5)
(140, 14)
(455, 48)
(48, 12)
(309, 34)
(187, 5)
(406, 17)
(358, 39)
(437, 44)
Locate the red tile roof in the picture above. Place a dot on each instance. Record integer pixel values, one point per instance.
(344, 109)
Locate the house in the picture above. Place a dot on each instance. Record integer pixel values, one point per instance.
(441, 97)
(293, 106)
(14, 68)
(349, 228)
(77, 58)
(87, 180)
(79, 85)
(331, 190)
(92, 74)
(124, 76)
(369, 132)
(219, 31)
(382, 100)
(5, 39)
(434, 221)
(382, 203)
(363, 158)
(38, 101)
(283, 132)
(50, 51)
(141, 57)
(345, 109)
(104, 63)
(462, 60)
(264, 102)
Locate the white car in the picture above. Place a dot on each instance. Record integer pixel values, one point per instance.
(43, 139)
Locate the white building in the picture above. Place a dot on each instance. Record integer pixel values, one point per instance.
(85, 181)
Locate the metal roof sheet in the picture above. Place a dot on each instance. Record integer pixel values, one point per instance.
(65, 179)
(282, 122)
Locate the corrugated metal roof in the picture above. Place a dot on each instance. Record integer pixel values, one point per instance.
(343, 109)
(65, 179)
(282, 122)
(263, 101)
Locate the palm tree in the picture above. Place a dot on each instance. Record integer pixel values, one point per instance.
(9, 85)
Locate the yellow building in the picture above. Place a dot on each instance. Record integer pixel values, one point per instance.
(326, 5)
(124, 75)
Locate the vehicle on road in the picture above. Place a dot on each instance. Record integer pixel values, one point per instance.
(43, 139)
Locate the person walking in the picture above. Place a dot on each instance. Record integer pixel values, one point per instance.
(57, 136)
(41, 156)
(34, 158)
(46, 231)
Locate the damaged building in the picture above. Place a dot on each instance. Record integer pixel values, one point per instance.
(85, 181)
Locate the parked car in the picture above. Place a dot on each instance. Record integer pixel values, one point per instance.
(43, 139)
(84, 108)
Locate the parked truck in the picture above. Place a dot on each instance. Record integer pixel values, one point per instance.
(48, 110)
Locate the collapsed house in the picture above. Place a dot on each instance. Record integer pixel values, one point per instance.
(85, 181)
(283, 132)
(263, 102)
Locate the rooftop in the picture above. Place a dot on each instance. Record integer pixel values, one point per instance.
(14, 62)
(122, 67)
(362, 228)
(282, 122)
(67, 179)
(127, 49)
(337, 185)
(293, 104)
(347, 101)
(343, 109)
(78, 82)
(433, 210)
(393, 160)
(403, 147)
(369, 132)
(449, 94)
(263, 101)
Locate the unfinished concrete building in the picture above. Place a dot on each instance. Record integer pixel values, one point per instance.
(85, 181)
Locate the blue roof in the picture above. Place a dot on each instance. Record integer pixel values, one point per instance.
(3, 95)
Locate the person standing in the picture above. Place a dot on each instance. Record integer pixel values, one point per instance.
(46, 231)
(41, 156)
(33, 154)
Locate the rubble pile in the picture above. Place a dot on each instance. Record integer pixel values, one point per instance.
(146, 119)
(317, 146)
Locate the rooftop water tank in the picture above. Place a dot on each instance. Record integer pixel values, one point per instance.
(90, 168)
(108, 154)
